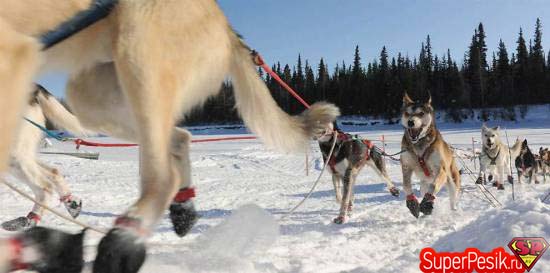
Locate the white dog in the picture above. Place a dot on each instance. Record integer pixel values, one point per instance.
(495, 157)
(41, 178)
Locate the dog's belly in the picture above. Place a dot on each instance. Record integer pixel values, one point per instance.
(341, 167)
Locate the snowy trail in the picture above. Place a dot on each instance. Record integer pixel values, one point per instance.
(381, 235)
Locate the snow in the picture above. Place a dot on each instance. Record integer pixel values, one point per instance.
(244, 191)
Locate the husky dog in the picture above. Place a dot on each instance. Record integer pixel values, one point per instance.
(41, 178)
(426, 155)
(544, 162)
(527, 164)
(495, 157)
(350, 155)
(169, 56)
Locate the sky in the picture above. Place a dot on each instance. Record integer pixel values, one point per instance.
(282, 29)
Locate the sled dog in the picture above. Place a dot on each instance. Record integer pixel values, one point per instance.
(544, 162)
(426, 155)
(527, 165)
(169, 56)
(350, 155)
(41, 178)
(495, 157)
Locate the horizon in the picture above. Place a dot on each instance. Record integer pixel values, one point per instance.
(284, 29)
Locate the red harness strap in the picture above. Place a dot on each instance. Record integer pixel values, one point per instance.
(184, 195)
(369, 145)
(423, 164)
(34, 216)
(16, 249)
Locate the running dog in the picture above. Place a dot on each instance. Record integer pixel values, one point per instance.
(426, 155)
(527, 164)
(41, 178)
(169, 56)
(495, 157)
(544, 162)
(349, 156)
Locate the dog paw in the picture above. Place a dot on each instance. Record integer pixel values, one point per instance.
(427, 204)
(479, 180)
(22, 223)
(500, 186)
(53, 251)
(183, 216)
(394, 191)
(510, 179)
(73, 205)
(340, 220)
(495, 184)
(490, 177)
(413, 206)
(120, 251)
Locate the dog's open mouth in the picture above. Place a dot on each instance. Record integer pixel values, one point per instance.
(414, 133)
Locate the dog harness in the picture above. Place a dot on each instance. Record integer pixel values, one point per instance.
(346, 137)
(423, 164)
(493, 159)
(98, 10)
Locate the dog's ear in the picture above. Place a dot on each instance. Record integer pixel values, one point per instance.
(524, 142)
(406, 99)
(496, 128)
(540, 151)
(484, 127)
(429, 98)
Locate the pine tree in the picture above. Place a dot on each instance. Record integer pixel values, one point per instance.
(521, 66)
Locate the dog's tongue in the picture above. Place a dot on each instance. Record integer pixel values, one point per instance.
(414, 133)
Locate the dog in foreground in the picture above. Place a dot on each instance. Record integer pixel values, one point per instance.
(349, 156)
(169, 56)
(41, 178)
(426, 155)
(495, 157)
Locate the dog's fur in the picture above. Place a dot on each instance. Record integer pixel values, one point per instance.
(41, 178)
(422, 139)
(169, 56)
(527, 164)
(544, 162)
(348, 158)
(495, 157)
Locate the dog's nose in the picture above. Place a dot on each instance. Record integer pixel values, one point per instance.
(410, 123)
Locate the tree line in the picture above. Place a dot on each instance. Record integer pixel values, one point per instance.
(495, 83)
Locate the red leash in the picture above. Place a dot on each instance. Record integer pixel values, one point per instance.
(260, 62)
(81, 142)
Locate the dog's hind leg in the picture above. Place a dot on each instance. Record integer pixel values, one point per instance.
(29, 172)
(349, 180)
(379, 166)
(182, 210)
(72, 203)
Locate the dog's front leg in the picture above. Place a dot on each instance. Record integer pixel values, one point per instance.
(349, 180)
(411, 201)
(426, 206)
(19, 57)
(500, 178)
(150, 96)
(337, 182)
(482, 170)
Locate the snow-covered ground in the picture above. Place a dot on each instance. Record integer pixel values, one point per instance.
(244, 191)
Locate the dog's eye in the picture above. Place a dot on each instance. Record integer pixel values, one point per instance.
(421, 114)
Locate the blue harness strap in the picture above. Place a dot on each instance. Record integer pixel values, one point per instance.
(48, 132)
(98, 10)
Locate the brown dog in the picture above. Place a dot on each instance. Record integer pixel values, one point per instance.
(426, 155)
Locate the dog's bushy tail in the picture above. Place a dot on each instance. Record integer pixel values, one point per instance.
(263, 116)
(58, 114)
(515, 149)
